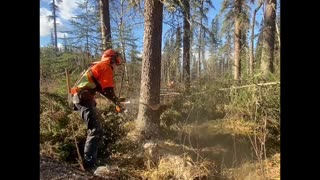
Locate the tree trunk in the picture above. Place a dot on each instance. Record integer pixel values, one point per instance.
(237, 41)
(55, 25)
(148, 120)
(105, 24)
(252, 39)
(163, 79)
(199, 58)
(123, 46)
(204, 61)
(268, 37)
(258, 50)
(222, 67)
(178, 46)
(87, 51)
(200, 43)
(186, 45)
(226, 65)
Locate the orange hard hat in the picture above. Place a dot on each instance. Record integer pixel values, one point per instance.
(116, 57)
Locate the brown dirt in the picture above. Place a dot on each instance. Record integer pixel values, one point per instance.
(51, 169)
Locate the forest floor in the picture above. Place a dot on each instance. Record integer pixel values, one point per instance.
(212, 141)
(216, 149)
(51, 168)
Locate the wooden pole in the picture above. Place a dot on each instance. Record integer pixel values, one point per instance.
(68, 85)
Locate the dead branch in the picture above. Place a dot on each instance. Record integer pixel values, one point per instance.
(78, 152)
(260, 84)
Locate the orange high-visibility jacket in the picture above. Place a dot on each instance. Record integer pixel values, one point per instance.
(101, 71)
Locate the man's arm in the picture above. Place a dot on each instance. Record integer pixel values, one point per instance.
(109, 93)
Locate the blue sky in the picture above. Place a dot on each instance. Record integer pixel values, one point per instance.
(68, 8)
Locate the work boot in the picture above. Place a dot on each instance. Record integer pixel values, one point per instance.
(89, 166)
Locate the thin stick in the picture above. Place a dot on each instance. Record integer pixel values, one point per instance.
(80, 161)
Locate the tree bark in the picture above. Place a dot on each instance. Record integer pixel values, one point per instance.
(148, 120)
(268, 37)
(178, 46)
(55, 26)
(251, 61)
(186, 45)
(105, 24)
(237, 41)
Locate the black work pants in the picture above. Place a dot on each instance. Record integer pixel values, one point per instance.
(88, 113)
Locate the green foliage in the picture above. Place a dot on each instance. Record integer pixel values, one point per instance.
(254, 104)
(113, 125)
(59, 125)
(170, 117)
(200, 105)
(206, 103)
(52, 102)
(47, 55)
(259, 104)
(52, 69)
(55, 121)
(65, 150)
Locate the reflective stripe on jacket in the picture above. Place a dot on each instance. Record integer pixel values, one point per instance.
(85, 82)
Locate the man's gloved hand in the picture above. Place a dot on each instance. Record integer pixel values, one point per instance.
(119, 106)
(119, 109)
